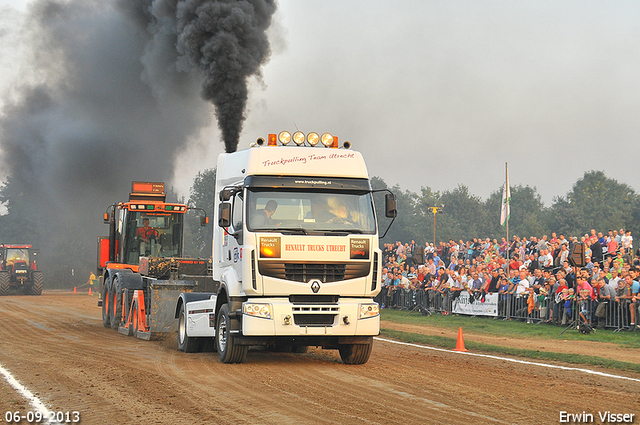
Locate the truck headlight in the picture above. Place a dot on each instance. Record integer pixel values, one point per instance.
(257, 310)
(369, 310)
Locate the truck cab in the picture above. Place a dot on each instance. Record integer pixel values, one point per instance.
(295, 251)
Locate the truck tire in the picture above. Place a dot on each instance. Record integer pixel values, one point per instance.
(299, 349)
(186, 343)
(228, 351)
(5, 282)
(355, 353)
(116, 300)
(38, 281)
(106, 303)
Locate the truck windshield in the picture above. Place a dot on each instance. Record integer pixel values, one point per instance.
(305, 212)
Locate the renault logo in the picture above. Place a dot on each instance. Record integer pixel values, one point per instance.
(315, 285)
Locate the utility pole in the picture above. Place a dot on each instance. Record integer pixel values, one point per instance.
(434, 210)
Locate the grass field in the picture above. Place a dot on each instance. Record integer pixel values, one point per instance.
(510, 329)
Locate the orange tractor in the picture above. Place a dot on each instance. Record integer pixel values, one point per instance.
(18, 269)
(140, 263)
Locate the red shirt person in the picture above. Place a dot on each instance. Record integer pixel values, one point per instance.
(146, 232)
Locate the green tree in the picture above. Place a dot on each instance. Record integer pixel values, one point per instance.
(424, 214)
(595, 201)
(464, 215)
(20, 224)
(199, 239)
(528, 217)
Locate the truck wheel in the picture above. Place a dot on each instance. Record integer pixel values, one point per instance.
(106, 303)
(228, 351)
(185, 343)
(38, 280)
(356, 353)
(116, 301)
(299, 349)
(5, 281)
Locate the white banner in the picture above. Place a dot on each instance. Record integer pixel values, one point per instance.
(477, 308)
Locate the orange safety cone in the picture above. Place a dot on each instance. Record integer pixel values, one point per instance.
(74, 290)
(89, 290)
(460, 343)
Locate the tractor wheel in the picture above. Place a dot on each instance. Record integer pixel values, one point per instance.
(356, 353)
(186, 343)
(228, 350)
(116, 299)
(106, 303)
(38, 281)
(5, 282)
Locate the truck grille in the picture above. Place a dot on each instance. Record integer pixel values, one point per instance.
(314, 319)
(303, 272)
(313, 299)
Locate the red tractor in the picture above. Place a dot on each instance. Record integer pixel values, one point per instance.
(18, 269)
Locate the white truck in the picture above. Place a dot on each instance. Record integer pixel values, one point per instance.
(295, 253)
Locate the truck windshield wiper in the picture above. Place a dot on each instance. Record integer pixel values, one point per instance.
(290, 229)
(342, 231)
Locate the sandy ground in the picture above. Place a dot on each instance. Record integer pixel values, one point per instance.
(56, 346)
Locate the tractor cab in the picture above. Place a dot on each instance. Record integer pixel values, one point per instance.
(145, 226)
(151, 234)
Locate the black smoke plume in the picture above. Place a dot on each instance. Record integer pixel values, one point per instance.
(115, 95)
(227, 40)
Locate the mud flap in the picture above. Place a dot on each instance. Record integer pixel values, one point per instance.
(154, 315)
(163, 300)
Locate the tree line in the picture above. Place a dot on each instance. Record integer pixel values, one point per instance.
(595, 201)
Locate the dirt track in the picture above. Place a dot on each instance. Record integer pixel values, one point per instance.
(55, 346)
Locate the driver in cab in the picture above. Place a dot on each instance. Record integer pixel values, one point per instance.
(146, 232)
(338, 210)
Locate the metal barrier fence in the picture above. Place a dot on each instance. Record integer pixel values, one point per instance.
(613, 315)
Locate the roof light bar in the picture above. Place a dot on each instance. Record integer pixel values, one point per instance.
(284, 137)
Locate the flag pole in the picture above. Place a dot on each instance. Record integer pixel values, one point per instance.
(506, 208)
(506, 170)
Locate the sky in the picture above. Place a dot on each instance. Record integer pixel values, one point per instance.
(433, 93)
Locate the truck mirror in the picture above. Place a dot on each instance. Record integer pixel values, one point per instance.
(224, 214)
(390, 205)
(225, 195)
(106, 218)
(204, 220)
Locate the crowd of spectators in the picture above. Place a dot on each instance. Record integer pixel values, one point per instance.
(533, 277)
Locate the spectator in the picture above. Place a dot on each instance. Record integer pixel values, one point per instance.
(627, 242)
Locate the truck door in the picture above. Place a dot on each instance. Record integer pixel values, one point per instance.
(233, 239)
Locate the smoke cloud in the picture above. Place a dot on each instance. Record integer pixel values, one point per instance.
(116, 92)
(227, 40)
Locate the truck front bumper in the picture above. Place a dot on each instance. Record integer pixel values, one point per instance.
(279, 317)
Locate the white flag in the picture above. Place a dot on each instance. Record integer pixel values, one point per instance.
(506, 202)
